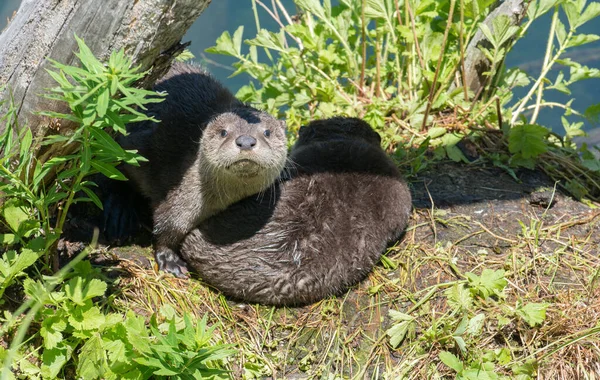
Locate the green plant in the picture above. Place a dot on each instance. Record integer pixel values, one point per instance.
(78, 336)
(399, 65)
(474, 305)
(63, 329)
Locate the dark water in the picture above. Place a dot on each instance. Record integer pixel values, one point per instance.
(227, 15)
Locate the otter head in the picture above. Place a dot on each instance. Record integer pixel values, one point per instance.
(337, 128)
(242, 153)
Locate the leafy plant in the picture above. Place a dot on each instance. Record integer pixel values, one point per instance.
(76, 332)
(399, 65)
(475, 305)
(65, 312)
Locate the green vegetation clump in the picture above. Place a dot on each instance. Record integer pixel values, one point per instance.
(64, 327)
(400, 64)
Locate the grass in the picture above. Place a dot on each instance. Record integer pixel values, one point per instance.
(550, 256)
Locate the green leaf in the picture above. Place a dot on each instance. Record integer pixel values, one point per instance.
(459, 298)
(51, 331)
(7, 239)
(533, 313)
(436, 132)
(529, 140)
(475, 325)
(14, 213)
(93, 197)
(237, 40)
(224, 45)
(92, 359)
(102, 102)
(489, 283)
(451, 361)
(53, 360)
(582, 39)
(108, 170)
(592, 11)
(80, 290)
(86, 318)
(397, 333)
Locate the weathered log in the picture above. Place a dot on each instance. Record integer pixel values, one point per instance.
(150, 31)
(476, 64)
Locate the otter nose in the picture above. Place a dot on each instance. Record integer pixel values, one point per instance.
(245, 142)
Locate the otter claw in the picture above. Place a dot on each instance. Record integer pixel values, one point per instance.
(170, 262)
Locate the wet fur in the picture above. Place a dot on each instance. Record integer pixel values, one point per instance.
(316, 233)
(192, 171)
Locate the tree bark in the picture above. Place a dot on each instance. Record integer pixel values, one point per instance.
(476, 64)
(150, 31)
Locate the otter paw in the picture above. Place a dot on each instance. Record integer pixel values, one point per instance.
(120, 221)
(170, 262)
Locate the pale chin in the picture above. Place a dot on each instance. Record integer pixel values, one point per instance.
(244, 168)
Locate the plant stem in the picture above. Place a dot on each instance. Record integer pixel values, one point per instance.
(439, 64)
(545, 70)
(364, 50)
(257, 21)
(540, 92)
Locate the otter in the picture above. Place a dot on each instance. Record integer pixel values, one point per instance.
(209, 150)
(317, 231)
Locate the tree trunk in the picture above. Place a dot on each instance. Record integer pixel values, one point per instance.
(150, 31)
(476, 64)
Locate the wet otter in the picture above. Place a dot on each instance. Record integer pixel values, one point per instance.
(317, 232)
(209, 151)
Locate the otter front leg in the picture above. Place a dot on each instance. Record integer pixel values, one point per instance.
(173, 219)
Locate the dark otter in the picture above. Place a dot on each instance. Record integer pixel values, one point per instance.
(317, 232)
(208, 151)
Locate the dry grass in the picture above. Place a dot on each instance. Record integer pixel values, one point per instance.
(549, 258)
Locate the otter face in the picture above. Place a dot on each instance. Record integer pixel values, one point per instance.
(244, 147)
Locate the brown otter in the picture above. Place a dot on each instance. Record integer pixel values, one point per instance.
(316, 233)
(209, 151)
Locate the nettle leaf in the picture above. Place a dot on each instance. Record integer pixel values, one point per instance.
(451, 361)
(592, 11)
(489, 283)
(533, 313)
(405, 324)
(538, 8)
(459, 297)
(529, 140)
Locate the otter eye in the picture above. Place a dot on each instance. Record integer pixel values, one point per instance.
(267, 133)
(223, 133)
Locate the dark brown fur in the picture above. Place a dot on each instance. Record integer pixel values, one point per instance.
(315, 234)
(194, 171)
